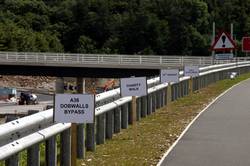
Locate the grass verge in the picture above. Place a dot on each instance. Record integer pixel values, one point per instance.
(146, 141)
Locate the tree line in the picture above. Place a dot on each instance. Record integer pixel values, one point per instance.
(162, 27)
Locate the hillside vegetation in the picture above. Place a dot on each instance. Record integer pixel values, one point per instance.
(173, 27)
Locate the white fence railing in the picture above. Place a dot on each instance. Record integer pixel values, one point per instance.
(133, 61)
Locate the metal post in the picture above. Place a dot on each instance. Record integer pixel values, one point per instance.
(109, 124)
(80, 82)
(100, 133)
(149, 98)
(213, 39)
(124, 124)
(153, 102)
(138, 109)
(117, 120)
(169, 93)
(51, 151)
(144, 106)
(33, 153)
(232, 33)
(73, 144)
(130, 118)
(65, 150)
(158, 99)
(90, 137)
(14, 159)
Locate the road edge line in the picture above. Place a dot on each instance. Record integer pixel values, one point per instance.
(190, 124)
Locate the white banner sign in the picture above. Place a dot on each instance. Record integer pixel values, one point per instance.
(169, 75)
(74, 108)
(192, 71)
(136, 86)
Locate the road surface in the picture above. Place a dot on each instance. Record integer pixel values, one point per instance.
(220, 136)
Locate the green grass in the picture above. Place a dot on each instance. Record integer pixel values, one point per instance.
(146, 141)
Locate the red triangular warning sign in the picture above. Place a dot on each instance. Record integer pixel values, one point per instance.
(223, 43)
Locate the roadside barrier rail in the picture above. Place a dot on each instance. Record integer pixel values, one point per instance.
(112, 115)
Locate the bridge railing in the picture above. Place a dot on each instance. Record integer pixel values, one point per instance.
(30, 131)
(78, 59)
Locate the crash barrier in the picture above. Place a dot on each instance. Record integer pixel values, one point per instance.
(112, 115)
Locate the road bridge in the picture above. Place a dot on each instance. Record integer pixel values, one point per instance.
(94, 65)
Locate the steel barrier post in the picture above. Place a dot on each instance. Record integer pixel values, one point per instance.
(169, 93)
(109, 124)
(14, 159)
(80, 84)
(51, 151)
(144, 106)
(138, 109)
(153, 102)
(117, 120)
(100, 133)
(158, 99)
(124, 115)
(33, 152)
(65, 150)
(149, 104)
(90, 137)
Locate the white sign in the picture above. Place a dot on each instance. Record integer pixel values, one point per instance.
(169, 75)
(192, 71)
(136, 86)
(74, 108)
(225, 56)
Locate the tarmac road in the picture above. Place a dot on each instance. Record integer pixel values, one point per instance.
(220, 136)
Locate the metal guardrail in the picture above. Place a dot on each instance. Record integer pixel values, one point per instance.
(20, 134)
(54, 59)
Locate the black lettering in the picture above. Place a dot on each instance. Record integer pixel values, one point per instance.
(74, 100)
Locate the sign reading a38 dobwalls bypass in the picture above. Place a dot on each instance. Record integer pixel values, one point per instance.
(134, 86)
(74, 108)
(169, 75)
